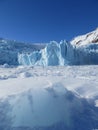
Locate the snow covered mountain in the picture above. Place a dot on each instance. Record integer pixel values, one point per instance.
(82, 40)
(81, 50)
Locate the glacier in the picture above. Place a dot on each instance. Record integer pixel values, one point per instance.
(53, 54)
(86, 54)
(82, 50)
(62, 53)
(9, 50)
(50, 54)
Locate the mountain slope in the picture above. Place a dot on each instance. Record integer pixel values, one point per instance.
(91, 37)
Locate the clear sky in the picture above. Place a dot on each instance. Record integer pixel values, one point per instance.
(46, 20)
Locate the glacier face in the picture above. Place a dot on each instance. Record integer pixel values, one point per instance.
(9, 50)
(81, 50)
(87, 54)
(53, 54)
(62, 53)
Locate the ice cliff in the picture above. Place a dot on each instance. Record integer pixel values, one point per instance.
(53, 54)
(9, 50)
(80, 51)
(86, 48)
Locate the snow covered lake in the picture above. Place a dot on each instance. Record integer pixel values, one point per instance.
(49, 98)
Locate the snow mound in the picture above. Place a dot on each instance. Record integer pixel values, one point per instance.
(80, 51)
(47, 109)
(25, 75)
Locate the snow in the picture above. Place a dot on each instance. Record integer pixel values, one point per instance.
(83, 40)
(49, 98)
(40, 91)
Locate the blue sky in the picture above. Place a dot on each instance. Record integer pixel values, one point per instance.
(46, 20)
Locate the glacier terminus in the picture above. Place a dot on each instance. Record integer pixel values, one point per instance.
(82, 50)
